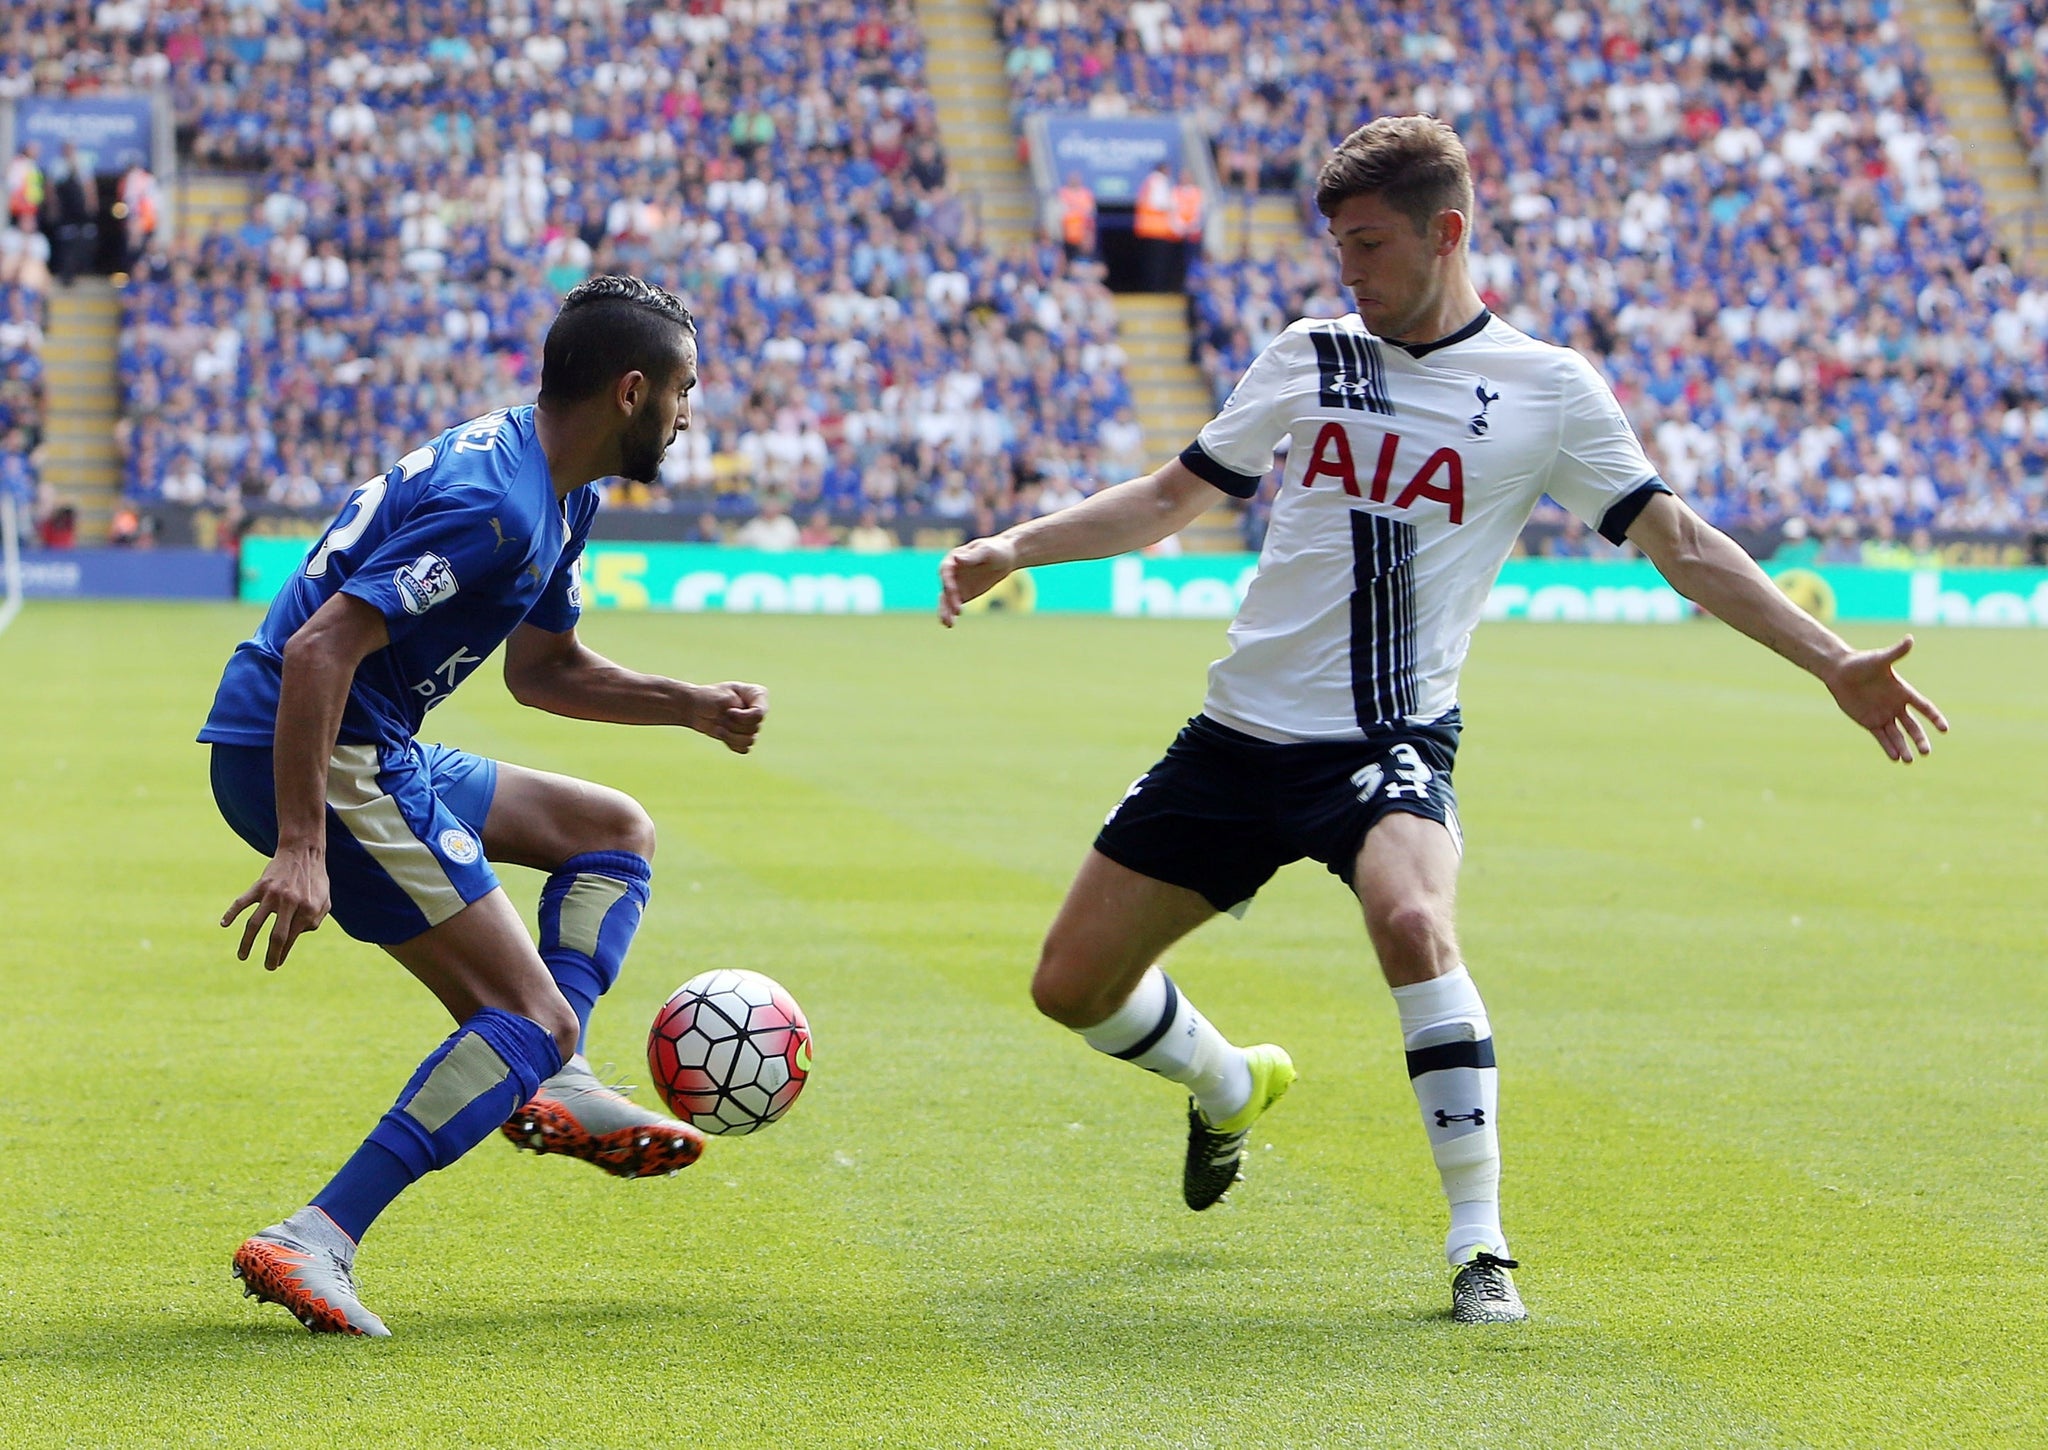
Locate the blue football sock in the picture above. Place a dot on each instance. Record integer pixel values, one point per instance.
(475, 1080)
(589, 910)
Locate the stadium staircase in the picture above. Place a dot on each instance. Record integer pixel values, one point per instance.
(212, 202)
(1170, 399)
(1982, 120)
(964, 68)
(80, 460)
(1260, 227)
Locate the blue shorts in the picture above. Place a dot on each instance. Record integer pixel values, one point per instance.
(1223, 811)
(405, 830)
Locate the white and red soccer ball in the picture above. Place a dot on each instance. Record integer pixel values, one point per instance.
(729, 1051)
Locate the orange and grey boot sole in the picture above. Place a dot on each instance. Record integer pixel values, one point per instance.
(644, 1151)
(269, 1271)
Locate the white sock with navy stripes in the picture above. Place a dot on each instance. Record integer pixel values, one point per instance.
(1450, 1066)
(1159, 1029)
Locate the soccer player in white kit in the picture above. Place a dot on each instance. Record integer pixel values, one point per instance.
(1423, 430)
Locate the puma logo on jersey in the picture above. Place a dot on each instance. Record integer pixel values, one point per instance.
(1440, 478)
(503, 537)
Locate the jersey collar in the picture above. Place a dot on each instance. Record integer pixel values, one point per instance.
(1423, 349)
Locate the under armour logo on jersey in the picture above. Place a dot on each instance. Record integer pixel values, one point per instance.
(1350, 371)
(1477, 1117)
(1486, 399)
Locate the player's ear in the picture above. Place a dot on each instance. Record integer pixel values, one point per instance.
(1450, 231)
(630, 391)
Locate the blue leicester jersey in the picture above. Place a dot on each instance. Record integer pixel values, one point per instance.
(456, 545)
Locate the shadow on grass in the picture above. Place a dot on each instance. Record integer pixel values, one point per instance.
(1183, 1312)
(144, 1343)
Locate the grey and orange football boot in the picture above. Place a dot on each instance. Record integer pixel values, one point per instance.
(576, 1115)
(307, 1264)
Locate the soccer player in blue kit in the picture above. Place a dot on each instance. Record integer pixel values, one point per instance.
(466, 543)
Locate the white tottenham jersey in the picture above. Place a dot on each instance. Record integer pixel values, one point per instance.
(1409, 476)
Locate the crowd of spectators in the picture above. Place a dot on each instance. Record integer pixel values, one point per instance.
(435, 173)
(24, 288)
(21, 389)
(1752, 218)
(2016, 34)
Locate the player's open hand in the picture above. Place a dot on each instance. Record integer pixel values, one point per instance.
(1871, 693)
(730, 713)
(291, 895)
(970, 571)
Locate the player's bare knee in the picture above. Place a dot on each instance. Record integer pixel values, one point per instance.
(611, 820)
(635, 828)
(1064, 994)
(1416, 935)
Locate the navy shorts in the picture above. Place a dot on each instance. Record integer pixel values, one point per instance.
(1223, 810)
(405, 830)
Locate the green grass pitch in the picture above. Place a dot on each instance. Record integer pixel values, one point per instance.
(1769, 1012)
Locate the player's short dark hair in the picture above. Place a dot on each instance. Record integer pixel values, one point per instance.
(1417, 163)
(608, 326)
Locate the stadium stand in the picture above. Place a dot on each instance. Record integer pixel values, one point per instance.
(23, 385)
(1753, 218)
(434, 174)
(2016, 34)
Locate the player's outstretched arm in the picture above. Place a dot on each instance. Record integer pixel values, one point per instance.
(1117, 520)
(1711, 569)
(319, 665)
(558, 673)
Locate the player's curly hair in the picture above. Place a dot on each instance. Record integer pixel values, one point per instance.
(609, 325)
(1417, 163)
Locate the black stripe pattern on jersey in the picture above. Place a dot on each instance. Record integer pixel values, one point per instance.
(1350, 371)
(1383, 685)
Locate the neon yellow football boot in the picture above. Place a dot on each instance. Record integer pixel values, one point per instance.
(1216, 1150)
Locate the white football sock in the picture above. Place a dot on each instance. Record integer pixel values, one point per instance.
(1159, 1029)
(1450, 1066)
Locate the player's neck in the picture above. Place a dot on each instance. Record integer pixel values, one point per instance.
(1460, 303)
(574, 456)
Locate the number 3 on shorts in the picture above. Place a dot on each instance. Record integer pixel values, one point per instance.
(1411, 774)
